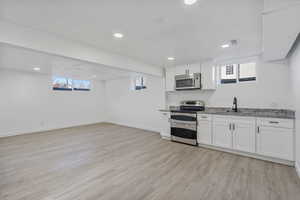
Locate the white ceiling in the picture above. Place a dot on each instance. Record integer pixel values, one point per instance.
(153, 29)
(20, 59)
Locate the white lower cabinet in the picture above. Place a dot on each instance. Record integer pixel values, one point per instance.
(234, 133)
(263, 137)
(204, 134)
(165, 125)
(243, 138)
(222, 135)
(275, 138)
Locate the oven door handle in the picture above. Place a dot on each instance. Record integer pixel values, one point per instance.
(184, 114)
(183, 122)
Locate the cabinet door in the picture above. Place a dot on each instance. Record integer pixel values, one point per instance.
(204, 132)
(275, 142)
(222, 135)
(194, 68)
(208, 76)
(181, 69)
(170, 79)
(244, 135)
(165, 125)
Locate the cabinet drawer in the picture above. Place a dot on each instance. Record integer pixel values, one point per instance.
(221, 118)
(277, 123)
(204, 117)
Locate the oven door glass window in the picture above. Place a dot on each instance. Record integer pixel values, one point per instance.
(184, 83)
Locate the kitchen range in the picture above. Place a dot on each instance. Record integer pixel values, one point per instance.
(184, 122)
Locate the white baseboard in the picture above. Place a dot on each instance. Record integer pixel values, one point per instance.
(20, 132)
(166, 138)
(40, 130)
(297, 166)
(251, 155)
(134, 126)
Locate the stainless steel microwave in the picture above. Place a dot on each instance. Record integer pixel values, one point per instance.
(188, 81)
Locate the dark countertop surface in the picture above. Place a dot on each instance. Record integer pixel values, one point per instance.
(244, 112)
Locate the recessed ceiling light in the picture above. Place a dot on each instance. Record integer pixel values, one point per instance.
(171, 58)
(231, 43)
(224, 46)
(189, 2)
(94, 76)
(118, 35)
(36, 69)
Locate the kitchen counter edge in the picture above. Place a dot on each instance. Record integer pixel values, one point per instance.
(270, 113)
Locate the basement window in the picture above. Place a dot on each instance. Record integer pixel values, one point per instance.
(247, 72)
(140, 83)
(61, 83)
(229, 73)
(81, 85)
(235, 73)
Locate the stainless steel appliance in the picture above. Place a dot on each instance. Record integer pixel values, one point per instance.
(184, 122)
(188, 81)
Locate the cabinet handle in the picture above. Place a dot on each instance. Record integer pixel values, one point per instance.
(233, 126)
(273, 122)
(258, 130)
(204, 117)
(230, 126)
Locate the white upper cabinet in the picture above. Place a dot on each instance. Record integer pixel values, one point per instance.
(208, 76)
(170, 79)
(194, 68)
(207, 70)
(188, 68)
(181, 69)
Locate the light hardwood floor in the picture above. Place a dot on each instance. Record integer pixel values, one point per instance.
(106, 161)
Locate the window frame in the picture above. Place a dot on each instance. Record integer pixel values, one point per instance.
(229, 81)
(253, 79)
(238, 81)
(81, 88)
(143, 85)
(69, 82)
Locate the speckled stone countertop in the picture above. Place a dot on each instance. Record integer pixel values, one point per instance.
(245, 112)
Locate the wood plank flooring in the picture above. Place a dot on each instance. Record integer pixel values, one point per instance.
(106, 161)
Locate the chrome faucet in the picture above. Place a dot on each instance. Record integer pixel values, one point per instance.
(234, 107)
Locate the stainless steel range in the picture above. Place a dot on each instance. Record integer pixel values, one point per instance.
(184, 122)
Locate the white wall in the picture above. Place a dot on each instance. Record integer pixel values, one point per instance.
(295, 82)
(271, 90)
(135, 108)
(28, 104)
